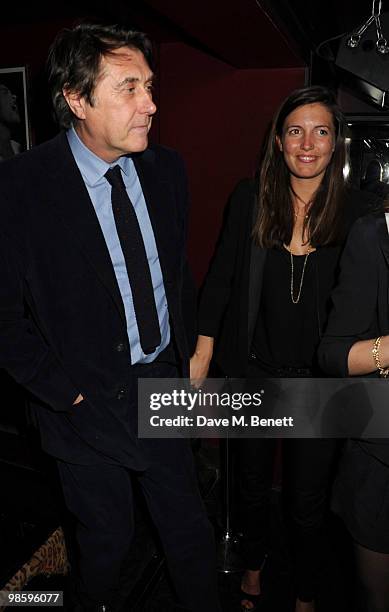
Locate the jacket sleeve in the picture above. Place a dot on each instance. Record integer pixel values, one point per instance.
(216, 291)
(189, 289)
(354, 299)
(24, 354)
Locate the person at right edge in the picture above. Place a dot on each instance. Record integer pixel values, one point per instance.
(265, 303)
(356, 343)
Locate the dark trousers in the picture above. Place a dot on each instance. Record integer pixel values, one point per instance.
(307, 470)
(101, 500)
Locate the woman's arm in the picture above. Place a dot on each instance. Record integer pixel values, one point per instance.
(219, 281)
(361, 358)
(216, 291)
(201, 359)
(346, 347)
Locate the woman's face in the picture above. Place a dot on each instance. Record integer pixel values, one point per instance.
(308, 141)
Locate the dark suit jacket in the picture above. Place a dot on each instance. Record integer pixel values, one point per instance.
(231, 293)
(360, 301)
(62, 321)
(360, 304)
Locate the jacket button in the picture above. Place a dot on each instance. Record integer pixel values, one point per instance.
(121, 394)
(120, 347)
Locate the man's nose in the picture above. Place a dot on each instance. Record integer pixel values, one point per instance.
(146, 104)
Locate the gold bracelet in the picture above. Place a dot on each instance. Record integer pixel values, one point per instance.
(376, 356)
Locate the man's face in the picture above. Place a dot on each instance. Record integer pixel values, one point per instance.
(9, 112)
(120, 118)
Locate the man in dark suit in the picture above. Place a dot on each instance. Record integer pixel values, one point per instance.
(83, 314)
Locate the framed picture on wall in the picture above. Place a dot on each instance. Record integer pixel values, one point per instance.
(14, 121)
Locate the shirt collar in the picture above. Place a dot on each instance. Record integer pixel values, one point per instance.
(92, 167)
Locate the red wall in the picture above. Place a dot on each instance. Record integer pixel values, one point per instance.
(28, 43)
(216, 116)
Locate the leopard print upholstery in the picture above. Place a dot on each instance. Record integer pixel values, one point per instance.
(50, 558)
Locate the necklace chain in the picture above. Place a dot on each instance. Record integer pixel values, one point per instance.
(297, 299)
(307, 206)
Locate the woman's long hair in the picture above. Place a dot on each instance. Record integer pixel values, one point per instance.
(274, 224)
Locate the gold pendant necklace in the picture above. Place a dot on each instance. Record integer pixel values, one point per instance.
(297, 299)
(307, 206)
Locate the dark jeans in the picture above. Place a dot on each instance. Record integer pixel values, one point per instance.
(307, 476)
(307, 469)
(101, 500)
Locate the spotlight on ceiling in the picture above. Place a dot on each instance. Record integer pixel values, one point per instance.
(363, 58)
(381, 44)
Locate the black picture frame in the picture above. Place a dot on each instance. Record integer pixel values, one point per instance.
(15, 135)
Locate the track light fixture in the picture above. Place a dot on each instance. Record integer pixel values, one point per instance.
(381, 45)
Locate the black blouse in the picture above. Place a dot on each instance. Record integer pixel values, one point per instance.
(287, 334)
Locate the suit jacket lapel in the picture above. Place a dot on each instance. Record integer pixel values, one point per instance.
(73, 205)
(383, 236)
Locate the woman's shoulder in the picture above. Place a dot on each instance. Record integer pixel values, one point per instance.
(368, 230)
(359, 203)
(246, 189)
(243, 198)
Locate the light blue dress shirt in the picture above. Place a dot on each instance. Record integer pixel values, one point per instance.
(93, 169)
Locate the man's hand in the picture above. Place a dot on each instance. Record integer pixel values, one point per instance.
(201, 358)
(78, 399)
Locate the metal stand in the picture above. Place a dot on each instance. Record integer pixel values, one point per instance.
(228, 559)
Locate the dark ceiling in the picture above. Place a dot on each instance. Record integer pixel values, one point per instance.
(239, 33)
(243, 33)
(314, 21)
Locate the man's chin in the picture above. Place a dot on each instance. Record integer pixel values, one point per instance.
(139, 146)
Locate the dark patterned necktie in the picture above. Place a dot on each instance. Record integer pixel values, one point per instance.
(135, 257)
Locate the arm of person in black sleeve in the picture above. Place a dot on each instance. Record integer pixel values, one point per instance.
(353, 314)
(216, 291)
(24, 353)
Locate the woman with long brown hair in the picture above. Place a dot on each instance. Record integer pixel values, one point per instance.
(263, 309)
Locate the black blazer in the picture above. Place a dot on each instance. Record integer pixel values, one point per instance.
(62, 321)
(360, 304)
(360, 301)
(231, 294)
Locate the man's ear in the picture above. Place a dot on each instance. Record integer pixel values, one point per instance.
(279, 142)
(76, 103)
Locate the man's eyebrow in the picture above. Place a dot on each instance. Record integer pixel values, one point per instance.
(128, 80)
(132, 80)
